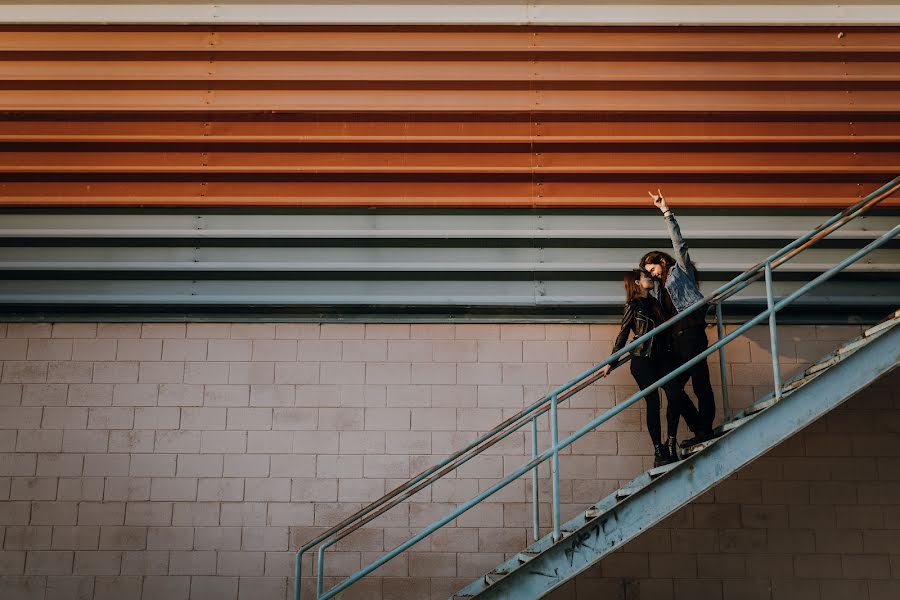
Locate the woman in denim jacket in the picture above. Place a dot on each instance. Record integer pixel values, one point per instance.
(678, 292)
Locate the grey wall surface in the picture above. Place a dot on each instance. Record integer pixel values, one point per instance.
(408, 265)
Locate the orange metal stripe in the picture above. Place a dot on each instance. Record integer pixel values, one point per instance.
(455, 100)
(446, 116)
(577, 128)
(463, 68)
(443, 39)
(621, 158)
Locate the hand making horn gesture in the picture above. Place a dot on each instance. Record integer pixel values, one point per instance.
(659, 200)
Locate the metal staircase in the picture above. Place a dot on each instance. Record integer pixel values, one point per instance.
(572, 547)
(654, 495)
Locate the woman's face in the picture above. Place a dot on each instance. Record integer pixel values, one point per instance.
(655, 269)
(646, 281)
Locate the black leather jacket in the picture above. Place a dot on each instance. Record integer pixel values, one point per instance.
(642, 315)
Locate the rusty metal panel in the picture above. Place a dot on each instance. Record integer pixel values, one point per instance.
(432, 116)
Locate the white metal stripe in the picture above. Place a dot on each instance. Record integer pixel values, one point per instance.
(471, 12)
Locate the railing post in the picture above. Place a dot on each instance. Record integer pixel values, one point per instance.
(320, 572)
(535, 509)
(298, 564)
(773, 332)
(554, 464)
(723, 370)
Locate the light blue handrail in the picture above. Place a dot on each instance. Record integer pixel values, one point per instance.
(566, 390)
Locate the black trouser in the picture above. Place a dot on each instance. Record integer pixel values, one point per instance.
(647, 371)
(686, 345)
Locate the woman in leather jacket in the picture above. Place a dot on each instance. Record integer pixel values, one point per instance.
(650, 361)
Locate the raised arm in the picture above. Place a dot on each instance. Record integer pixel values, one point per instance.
(679, 246)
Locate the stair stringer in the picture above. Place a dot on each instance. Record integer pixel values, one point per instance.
(613, 527)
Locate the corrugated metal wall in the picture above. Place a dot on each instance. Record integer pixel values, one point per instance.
(300, 116)
(406, 265)
(480, 136)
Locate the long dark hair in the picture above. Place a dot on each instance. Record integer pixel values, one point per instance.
(658, 257)
(632, 283)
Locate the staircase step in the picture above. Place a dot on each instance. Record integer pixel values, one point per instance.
(735, 423)
(626, 491)
(825, 364)
(760, 406)
(493, 577)
(854, 345)
(597, 510)
(883, 326)
(634, 486)
(797, 383)
(659, 471)
(699, 447)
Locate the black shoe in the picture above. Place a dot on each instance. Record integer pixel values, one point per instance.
(661, 455)
(699, 438)
(672, 449)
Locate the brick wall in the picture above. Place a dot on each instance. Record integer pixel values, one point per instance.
(174, 461)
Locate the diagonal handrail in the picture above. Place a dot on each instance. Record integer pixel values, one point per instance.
(550, 401)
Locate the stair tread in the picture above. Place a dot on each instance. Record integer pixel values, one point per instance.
(698, 447)
(735, 423)
(761, 406)
(889, 322)
(624, 492)
(658, 471)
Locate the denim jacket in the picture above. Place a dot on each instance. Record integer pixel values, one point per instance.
(681, 282)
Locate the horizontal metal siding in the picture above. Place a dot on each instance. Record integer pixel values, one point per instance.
(425, 117)
(430, 172)
(406, 265)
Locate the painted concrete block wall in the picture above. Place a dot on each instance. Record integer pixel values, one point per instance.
(187, 460)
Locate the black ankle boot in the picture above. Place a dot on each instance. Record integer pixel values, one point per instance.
(660, 455)
(672, 449)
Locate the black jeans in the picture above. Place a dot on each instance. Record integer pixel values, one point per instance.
(686, 345)
(647, 371)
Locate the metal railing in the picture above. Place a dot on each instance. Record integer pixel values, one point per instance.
(550, 402)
